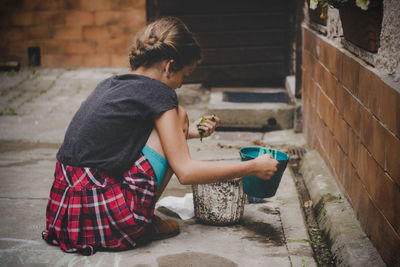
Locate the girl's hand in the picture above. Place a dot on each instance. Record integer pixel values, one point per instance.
(203, 126)
(265, 166)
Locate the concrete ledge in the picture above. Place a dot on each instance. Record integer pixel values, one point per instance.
(349, 243)
(262, 115)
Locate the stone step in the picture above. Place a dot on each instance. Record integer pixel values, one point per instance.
(252, 107)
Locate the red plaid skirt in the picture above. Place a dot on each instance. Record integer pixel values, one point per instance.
(88, 210)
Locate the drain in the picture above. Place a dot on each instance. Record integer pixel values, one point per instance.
(296, 153)
(271, 122)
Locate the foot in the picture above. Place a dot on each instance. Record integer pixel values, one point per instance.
(162, 229)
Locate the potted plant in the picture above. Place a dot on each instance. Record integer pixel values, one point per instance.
(317, 12)
(318, 15)
(361, 20)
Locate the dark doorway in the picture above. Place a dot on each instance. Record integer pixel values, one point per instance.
(244, 42)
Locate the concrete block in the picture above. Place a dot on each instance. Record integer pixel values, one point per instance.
(219, 203)
(268, 116)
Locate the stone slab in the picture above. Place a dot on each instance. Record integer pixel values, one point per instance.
(296, 234)
(259, 239)
(269, 232)
(29, 141)
(46, 101)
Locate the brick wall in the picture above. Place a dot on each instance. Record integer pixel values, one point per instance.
(70, 33)
(352, 117)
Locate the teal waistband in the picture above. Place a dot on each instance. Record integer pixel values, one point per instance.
(158, 163)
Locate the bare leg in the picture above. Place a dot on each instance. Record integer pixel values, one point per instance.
(155, 143)
(165, 181)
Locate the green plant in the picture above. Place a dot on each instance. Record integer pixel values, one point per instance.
(304, 263)
(363, 4)
(201, 131)
(8, 111)
(11, 72)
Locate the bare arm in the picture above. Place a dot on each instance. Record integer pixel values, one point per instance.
(191, 171)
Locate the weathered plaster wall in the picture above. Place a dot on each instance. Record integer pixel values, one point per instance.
(387, 60)
(334, 26)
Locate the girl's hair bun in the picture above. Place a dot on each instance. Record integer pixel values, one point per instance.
(164, 39)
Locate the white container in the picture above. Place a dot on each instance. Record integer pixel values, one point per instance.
(219, 203)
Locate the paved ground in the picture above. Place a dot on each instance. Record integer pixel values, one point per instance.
(36, 108)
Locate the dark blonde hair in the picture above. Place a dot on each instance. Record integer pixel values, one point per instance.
(164, 39)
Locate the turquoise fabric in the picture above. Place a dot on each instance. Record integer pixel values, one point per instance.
(158, 163)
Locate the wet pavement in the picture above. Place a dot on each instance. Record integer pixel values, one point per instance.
(36, 107)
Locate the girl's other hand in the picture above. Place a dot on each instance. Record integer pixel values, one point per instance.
(204, 126)
(265, 166)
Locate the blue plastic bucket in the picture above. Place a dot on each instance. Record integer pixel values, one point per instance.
(257, 187)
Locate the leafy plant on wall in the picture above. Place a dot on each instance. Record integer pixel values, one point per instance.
(363, 4)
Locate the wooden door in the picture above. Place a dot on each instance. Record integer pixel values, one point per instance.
(244, 42)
